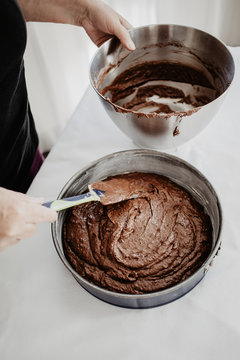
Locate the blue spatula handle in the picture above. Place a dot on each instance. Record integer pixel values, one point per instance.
(61, 204)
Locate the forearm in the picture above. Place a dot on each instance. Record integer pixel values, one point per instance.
(58, 11)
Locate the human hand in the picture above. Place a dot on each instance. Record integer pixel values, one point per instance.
(99, 20)
(19, 215)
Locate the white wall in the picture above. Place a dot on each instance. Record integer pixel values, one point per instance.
(58, 56)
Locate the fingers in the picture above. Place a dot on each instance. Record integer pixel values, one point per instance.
(34, 210)
(120, 29)
(103, 22)
(31, 210)
(41, 213)
(36, 200)
(19, 215)
(97, 36)
(121, 32)
(125, 23)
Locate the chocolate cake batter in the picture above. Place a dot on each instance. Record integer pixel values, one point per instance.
(156, 236)
(142, 87)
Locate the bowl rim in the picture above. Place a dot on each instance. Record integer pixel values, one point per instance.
(177, 113)
(204, 267)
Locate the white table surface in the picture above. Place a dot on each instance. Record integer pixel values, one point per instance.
(45, 314)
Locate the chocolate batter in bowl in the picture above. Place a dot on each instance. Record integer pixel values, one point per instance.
(167, 90)
(142, 244)
(146, 270)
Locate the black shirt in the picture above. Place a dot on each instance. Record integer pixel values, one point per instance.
(18, 138)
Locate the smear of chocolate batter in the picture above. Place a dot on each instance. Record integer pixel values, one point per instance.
(154, 240)
(176, 131)
(138, 83)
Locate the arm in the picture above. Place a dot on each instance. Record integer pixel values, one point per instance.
(19, 214)
(98, 19)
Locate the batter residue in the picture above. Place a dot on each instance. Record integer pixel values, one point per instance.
(160, 88)
(154, 238)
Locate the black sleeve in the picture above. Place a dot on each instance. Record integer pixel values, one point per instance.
(18, 138)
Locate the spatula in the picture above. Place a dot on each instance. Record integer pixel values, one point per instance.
(109, 191)
(65, 203)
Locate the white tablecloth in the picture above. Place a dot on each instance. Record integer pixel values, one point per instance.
(45, 314)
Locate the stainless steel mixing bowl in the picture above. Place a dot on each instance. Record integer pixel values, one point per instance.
(171, 43)
(149, 161)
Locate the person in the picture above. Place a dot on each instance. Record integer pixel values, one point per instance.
(20, 158)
